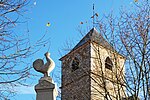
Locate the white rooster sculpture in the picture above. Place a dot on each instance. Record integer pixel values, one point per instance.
(46, 68)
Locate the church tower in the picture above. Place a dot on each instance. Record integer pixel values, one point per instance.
(93, 70)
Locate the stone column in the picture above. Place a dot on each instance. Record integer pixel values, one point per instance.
(45, 89)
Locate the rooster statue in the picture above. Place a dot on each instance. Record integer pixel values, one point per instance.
(46, 68)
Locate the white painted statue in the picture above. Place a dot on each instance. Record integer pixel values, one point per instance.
(46, 68)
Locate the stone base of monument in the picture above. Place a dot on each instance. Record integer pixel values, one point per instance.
(45, 89)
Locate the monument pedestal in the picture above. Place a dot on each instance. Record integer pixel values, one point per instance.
(45, 89)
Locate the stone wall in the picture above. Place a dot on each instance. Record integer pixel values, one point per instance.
(76, 84)
(104, 82)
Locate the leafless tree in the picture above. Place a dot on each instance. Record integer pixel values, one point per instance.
(129, 35)
(15, 47)
(135, 38)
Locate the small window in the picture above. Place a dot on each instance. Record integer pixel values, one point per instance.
(75, 64)
(108, 63)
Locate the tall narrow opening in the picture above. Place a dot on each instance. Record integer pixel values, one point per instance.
(75, 64)
(108, 63)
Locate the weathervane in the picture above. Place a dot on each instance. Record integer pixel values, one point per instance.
(94, 14)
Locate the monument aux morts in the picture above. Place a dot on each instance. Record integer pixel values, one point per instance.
(45, 89)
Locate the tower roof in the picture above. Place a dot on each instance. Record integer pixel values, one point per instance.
(94, 36)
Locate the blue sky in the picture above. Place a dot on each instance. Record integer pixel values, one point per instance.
(65, 17)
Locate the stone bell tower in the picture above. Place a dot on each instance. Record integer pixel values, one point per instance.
(92, 70)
